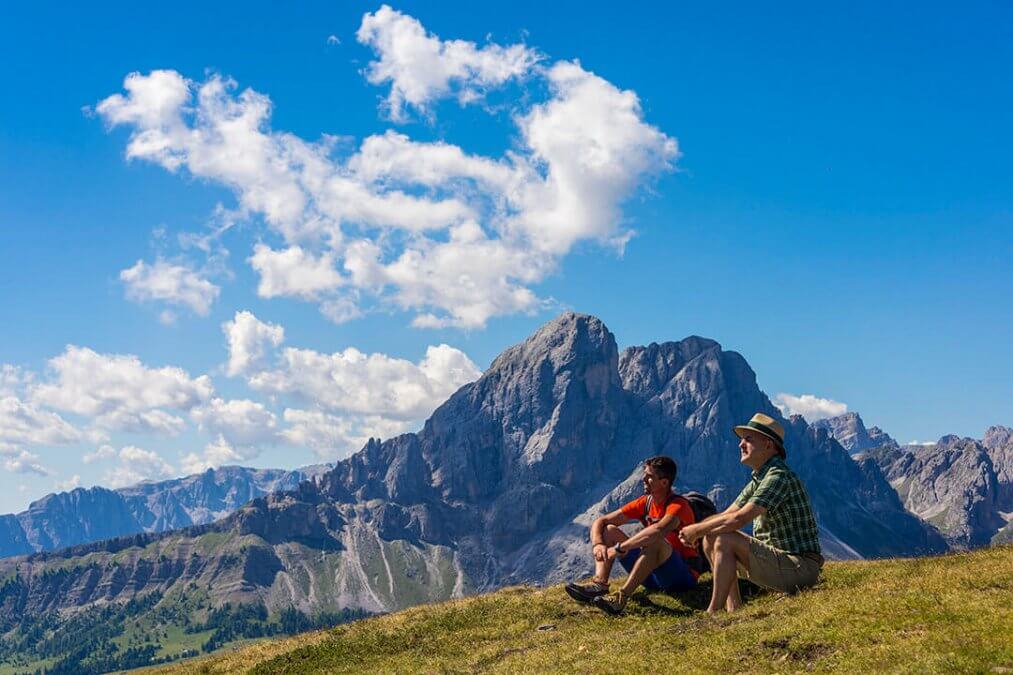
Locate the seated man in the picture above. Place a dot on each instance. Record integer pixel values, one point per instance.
(784, 552)
(654, 556)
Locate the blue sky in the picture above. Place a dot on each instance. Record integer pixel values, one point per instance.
(837, 210)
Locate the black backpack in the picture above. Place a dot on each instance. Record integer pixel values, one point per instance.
(702, 507)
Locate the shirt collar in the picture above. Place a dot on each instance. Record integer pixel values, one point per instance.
(767, 466)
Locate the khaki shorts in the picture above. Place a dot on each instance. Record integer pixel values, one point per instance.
(777, 570)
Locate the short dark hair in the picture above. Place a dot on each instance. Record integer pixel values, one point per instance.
(664, 466)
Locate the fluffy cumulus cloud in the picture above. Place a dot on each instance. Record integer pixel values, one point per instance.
(22, 461)
(120, 392)
(346, 397)
(239, 421)
(451, 237)
(136, 465)
(334, 436)
(171, 284)
(249, 341)
(99, 454)
(12, 380)
(294, 272)
(810, 407)
(421, 68)
(355, 382)
(23, 423)
(219, 452)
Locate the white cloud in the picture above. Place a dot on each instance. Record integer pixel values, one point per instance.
(23, 423)
(239, 421)
(22, 461)
(12, 380)
(173, 284)
(451, 237)
(69, 484)
(119, 391)
(596, 148)
(294, 272)
(810, 407)
(333, 40)
(421, 68)
(248, 340)
(333, 437)
(340, 310)
(136, 465)
(369, 384)
(217, 453)
(101, 453)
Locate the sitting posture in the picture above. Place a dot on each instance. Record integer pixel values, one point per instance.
(654, 556)
(784, 552)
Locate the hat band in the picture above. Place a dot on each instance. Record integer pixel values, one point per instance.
(774, 436)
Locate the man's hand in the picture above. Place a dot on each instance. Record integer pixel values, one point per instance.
(600, 552)
(689, 534)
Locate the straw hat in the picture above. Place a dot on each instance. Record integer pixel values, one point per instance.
(766, 425)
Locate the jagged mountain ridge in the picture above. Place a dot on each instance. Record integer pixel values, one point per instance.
(850, 431)
(497, 487)
(962, 486)
(84, 515)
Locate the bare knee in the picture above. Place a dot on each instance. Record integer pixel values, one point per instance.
(722, 543)
(614, 535)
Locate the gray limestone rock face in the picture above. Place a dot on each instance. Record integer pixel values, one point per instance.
(998, 442)
(953, 484)
(12, 537)
(850, 432)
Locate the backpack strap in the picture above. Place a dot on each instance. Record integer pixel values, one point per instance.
(650, 500)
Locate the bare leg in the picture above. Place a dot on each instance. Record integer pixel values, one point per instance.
(726, 550)
(734, 600)
(602, 569)
(651, 557)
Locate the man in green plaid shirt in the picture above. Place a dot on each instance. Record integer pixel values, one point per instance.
(784, 552)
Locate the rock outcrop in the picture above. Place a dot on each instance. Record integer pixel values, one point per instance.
(960, 485)
(850, 432)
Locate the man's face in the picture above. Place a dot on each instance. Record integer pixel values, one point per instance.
(653, 482)
(755, 449)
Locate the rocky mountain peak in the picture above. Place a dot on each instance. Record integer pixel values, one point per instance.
(850, 431)
(998, 437)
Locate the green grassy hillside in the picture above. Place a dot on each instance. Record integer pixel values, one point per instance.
(950, 613)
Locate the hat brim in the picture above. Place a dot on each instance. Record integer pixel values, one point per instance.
(777, 441)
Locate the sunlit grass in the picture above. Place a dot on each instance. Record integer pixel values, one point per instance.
(949, 613)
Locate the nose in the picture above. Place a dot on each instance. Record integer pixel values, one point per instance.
(742, 444)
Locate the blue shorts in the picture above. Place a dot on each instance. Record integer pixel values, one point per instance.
(673, 575)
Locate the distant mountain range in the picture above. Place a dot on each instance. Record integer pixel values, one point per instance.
(498, 487)
(962, 486)
(84, 515)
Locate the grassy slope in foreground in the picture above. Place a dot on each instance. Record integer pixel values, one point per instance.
(947, 613)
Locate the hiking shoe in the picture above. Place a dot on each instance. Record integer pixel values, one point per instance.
(613, 605)
(586, 592)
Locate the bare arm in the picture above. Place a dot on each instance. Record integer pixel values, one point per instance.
(731, 519)
(598, 526)
(654, 533)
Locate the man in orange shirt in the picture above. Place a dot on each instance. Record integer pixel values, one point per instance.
(654, 556)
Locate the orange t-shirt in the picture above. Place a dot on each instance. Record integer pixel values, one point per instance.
(677, 505)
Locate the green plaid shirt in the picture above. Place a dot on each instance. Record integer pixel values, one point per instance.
(789, 524)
